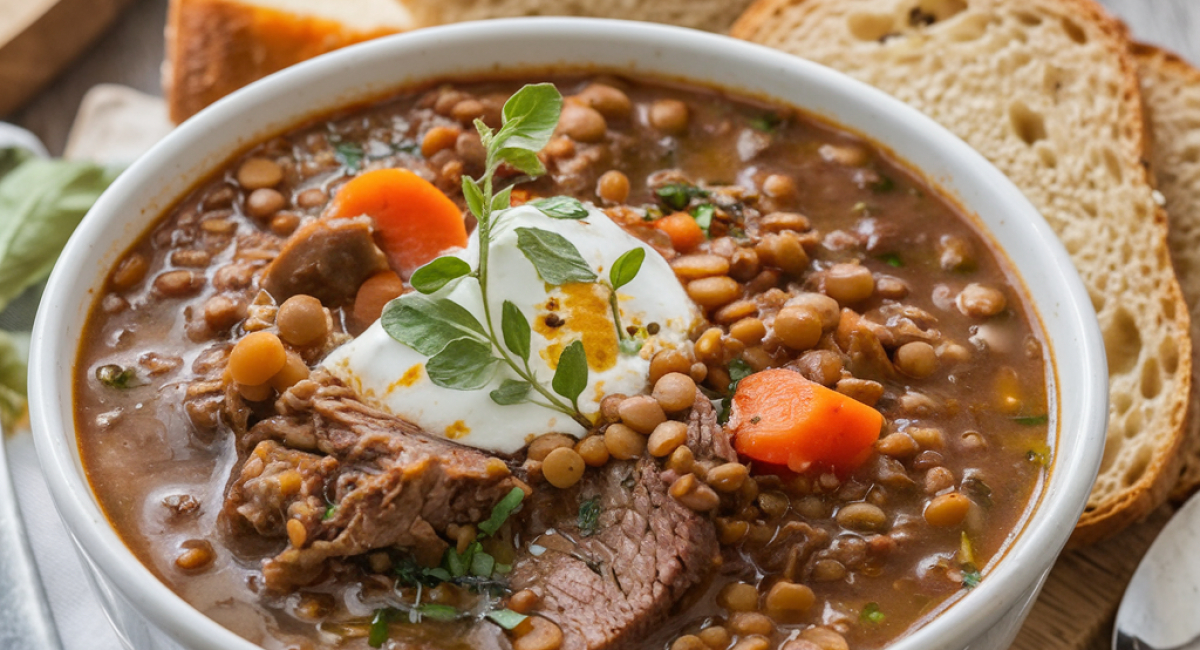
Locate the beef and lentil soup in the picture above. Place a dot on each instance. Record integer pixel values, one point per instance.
(722, 376)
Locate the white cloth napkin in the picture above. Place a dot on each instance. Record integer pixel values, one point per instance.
(114, 125)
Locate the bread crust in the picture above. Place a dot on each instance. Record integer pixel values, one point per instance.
(1106, 514)
(215, 47)
(1161, 68)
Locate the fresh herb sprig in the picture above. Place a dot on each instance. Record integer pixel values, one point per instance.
(466, 353)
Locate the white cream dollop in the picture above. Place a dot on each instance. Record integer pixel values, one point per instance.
(391, 375)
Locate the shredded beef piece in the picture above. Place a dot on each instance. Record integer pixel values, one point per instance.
(363, 481)
(707, 439)
(327, 259)
(610, 588)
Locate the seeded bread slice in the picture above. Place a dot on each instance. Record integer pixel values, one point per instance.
(1171, 90)
(1047, 90)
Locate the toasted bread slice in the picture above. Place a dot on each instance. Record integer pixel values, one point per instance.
(1171, 90)
(215, 47)
(1047, 90)
(709, 15)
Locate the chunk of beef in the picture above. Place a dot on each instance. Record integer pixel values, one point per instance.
(361, 480)
(707, 439)
(610, 588)
(327, 259)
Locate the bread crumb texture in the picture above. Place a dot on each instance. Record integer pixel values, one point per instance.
(1171, 90)
(1047, 90)
(711, 15)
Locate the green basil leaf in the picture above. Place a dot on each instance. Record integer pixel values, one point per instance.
(561, 207)
(506, 618)
(437, 612)
(501, 511)
(349, 154)
(41, 202)
(438, 273)
(428, 325)
(530, 117)
(704, 215)
(555, 258)
(473, 195)
(465, 364)
(511, 391)
(503, 200)
(516, 330)
(571, 375)
(523, 160)
(626, 268)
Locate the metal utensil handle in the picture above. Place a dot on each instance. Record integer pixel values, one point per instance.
(27, 623)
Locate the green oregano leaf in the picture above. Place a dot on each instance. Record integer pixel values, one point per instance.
(511, 391)
(501, 511)
(626, 268)
(438, 273)
(561, 207)
(473, 195)
(428, 325)
(516, 330)
(522, 160)
(554, 256)
(464, 364)
(506, 618)
(530, 117)
(571, 375)
(503, 200)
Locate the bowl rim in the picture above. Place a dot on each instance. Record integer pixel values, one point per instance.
(51, 399)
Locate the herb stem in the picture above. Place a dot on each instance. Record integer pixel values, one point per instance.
(616, 312)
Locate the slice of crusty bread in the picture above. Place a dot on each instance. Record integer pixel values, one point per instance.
(1171, 90)
(215, 47)
(1047, 90)
(710, 15)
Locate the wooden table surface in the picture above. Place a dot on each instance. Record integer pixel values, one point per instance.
(1077, 604)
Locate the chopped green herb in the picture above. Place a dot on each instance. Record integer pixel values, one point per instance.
(482, 564)
(378, 633)
(349, 154)
(703, 214)
(872, 614)
(501, 511)
(883, 185)
(437, 612)
(410, 147)
(738, 370)
(330, 511)
(677, 196)
(115, 376)
(978, 490)
(966, 549)
(589, 516)
(767, 122)
(506, 618)
(892, 259)
(1032, 420)
(971, 576)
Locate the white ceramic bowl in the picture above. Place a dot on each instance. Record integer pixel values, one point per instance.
(150, 616)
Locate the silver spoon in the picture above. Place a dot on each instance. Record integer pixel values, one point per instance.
(1161, 606)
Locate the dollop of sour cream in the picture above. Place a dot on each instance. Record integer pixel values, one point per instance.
(391, 376)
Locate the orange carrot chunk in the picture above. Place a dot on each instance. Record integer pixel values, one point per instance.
(414, 221)
(779, 417)
(683, 230)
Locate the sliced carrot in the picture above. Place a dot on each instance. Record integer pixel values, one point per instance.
(784, 419)
(683, 230)
(414, 221)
